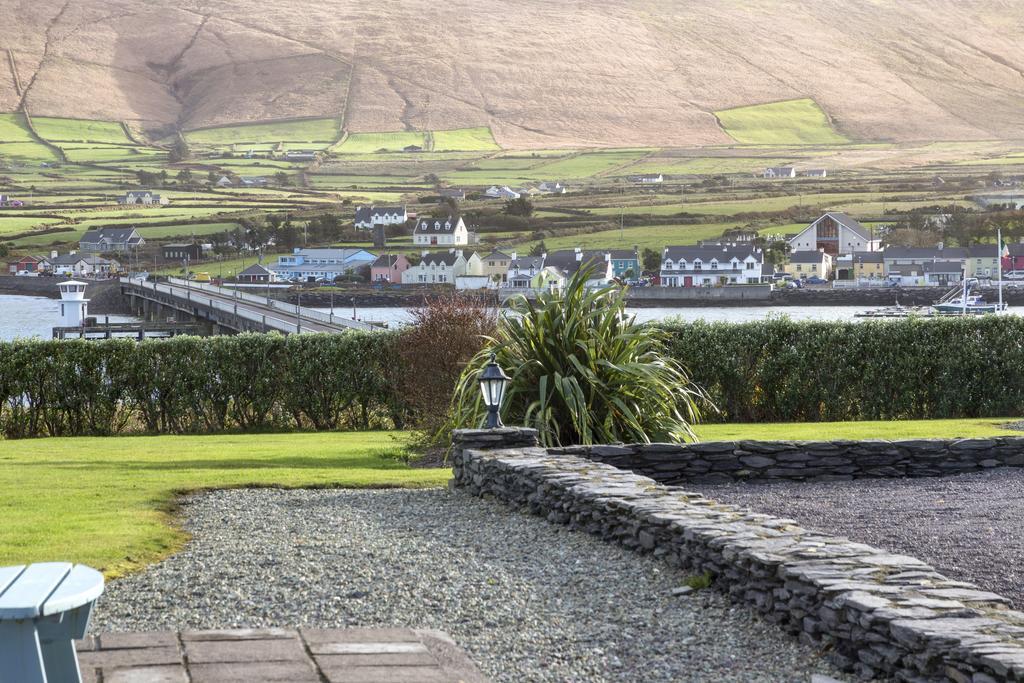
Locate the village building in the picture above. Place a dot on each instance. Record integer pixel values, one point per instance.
(861, 265)
(441, 267)
(805, 264)
(815, 173)
(369, 216)
(779, 172)
(256, 274)
(321, 265)
(143, 197)
(647, 179)
(837, 234)
(300, 155)
(567, 262)
(495, 266)
(625, 262)
(389, 268)
(82, 265)
(524, 271)
(9, 202)
(503, 192)
(929, 273)
(224, 181)
(695, 266)
(29, 265)
(102, 240)
(181, 252)
(552, 188)
(445, 232)
(455, 193)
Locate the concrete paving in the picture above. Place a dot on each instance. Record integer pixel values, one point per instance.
(353, 655)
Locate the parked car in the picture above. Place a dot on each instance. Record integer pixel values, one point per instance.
(815, 280)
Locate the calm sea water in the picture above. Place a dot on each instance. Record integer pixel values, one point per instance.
(32, 316)
(400, 316)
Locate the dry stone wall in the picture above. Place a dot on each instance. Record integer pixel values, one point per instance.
(881, 615)
(723, 461)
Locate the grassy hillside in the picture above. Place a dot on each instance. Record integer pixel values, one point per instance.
(625, 74)
(796, 122)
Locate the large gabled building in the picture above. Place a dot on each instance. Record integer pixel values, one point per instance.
(708, 266)
(835, 233)
(103, 240)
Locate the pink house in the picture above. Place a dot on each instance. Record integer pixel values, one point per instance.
(388, 268)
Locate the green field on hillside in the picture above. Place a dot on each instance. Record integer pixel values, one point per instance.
(465, 140)
(793, 122)
(654, 237)
(705, 165)
(27, 152)
(80, 130)
(370, 143)
(324, 131)
(14, 129)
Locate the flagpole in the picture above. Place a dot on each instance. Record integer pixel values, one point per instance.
(999, 241)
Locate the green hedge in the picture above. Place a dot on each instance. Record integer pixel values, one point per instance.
(192, 384)
(773, 371)
(785, 371)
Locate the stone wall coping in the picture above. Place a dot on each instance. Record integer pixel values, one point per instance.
(880, 613)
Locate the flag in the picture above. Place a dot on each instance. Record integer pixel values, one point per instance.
(1004, 249)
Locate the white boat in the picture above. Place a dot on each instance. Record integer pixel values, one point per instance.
(960, 301)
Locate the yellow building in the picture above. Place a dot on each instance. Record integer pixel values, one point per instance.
(982, 262)
(805, 264)
(867, 265)
(495, 266)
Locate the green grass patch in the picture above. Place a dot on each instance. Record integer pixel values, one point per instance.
(108, 502)
(31, 152)
(655, 237)
(11, 225)
(370, 143)
(308, 131)
(14, 129)
(793, 122)
(80, 130)
(826, 431)
(465, 140)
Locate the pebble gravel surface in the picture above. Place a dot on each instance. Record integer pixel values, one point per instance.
(527, 600)
(969, 527)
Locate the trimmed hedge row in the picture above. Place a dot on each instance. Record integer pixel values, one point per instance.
(192, 384)
(771, 371)
(784, 371)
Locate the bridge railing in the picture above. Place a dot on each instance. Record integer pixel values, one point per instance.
(177, 291)
(291, 309)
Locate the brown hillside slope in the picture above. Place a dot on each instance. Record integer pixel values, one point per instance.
(629, 72)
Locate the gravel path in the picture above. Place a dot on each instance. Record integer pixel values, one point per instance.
(970, 527)
(528, 600)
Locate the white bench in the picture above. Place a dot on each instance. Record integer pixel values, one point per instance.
(44, 608)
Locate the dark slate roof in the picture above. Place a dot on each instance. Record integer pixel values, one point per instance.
(989, 250)
(942, 267)
(527, 262)
(805, 257)
(113, 234)
(622, 254)
(385, 261)
(849, 223)
(565, 260)
(437, 226)
(925, 253)
(868, 257)
(366, 214)
(446, 257)
(496, 255)
(255, 269)
(705, 254)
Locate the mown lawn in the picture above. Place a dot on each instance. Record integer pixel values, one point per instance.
(825, 431)
(108, 502)
(793, 122)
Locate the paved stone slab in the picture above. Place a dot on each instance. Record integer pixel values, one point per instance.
(276, 655)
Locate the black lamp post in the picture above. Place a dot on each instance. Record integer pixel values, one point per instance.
(493, 381)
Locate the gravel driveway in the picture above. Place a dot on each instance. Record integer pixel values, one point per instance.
(970, 527)
(529, 601)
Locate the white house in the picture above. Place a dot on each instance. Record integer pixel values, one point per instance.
(837, 234)
(142, 197)
(441, 232)
(648, 179)
(552, 188)
(224, 182)
(80, 265)
(696, 266)
(312, 265)
(779, 172)
(442, 268)
(815, 173)
(369, 216)
(503, 192)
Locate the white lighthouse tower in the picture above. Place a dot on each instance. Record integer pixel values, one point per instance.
(74, 307)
